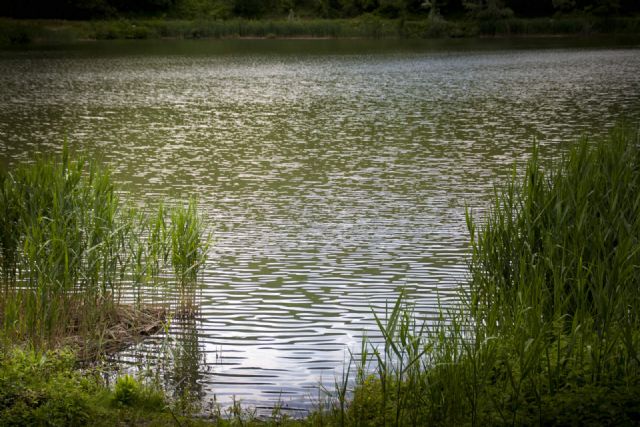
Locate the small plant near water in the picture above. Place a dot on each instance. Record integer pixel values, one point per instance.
(131, 392)
(549, 329)
(126, 391)
(72, 254)
(188, 253)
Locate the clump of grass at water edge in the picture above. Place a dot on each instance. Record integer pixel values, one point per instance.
(76, 261)
(548, 332)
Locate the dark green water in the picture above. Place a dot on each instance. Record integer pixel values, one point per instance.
(334, 173)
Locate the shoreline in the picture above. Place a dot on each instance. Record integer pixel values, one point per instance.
(16, 33)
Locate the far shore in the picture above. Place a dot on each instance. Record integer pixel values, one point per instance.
(15, 32)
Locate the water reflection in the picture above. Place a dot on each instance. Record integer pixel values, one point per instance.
(185, 376)
(176, 358)
(333, 178)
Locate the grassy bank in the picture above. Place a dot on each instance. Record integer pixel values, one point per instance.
(83, 273)
(21, 32)
(549, 332)
(47, 389)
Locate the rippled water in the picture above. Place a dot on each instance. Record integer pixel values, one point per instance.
(333, 173)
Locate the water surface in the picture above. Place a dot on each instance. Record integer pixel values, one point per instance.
(333, 173)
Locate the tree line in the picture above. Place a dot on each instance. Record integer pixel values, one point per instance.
(393, 9)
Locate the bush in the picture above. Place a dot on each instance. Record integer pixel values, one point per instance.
(43, 389)
(130, 392)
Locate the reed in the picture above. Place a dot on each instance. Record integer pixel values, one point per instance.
(554, 272)
(188, 253)
(551, 313)
(71, 252)
(23, 32)
(579, 25)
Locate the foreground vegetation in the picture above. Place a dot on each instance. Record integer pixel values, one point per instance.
(547, 333)
(79, 267)
(549, 330)
(45, 388)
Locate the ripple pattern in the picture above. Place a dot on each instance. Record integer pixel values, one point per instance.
(332, 180)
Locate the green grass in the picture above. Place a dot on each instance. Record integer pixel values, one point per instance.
(583, 25)
(71, 253)
(188, 253)
(549, 330)
(14, 32)
(555, 274)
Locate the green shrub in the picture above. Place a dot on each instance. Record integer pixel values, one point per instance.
(43, 389)
(48, 389)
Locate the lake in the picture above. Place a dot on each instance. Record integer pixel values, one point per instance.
(333, 174)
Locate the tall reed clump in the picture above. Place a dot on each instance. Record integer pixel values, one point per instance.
(554, 275)
(188, 253)
(549, 329)
(71, 252)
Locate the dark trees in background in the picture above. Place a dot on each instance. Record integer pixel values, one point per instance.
(532, 9)
(252, 8)
(82, 9)
(140, 6)
(71, 9)
(479, 9)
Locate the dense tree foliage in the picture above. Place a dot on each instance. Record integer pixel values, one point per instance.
(222, 9)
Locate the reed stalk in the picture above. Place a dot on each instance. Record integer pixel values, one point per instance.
(188, 253)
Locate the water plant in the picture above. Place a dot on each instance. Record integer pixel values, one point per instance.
(554, 273)
(188, 252)
(71, 253)
(550, 315)
(126, 390)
